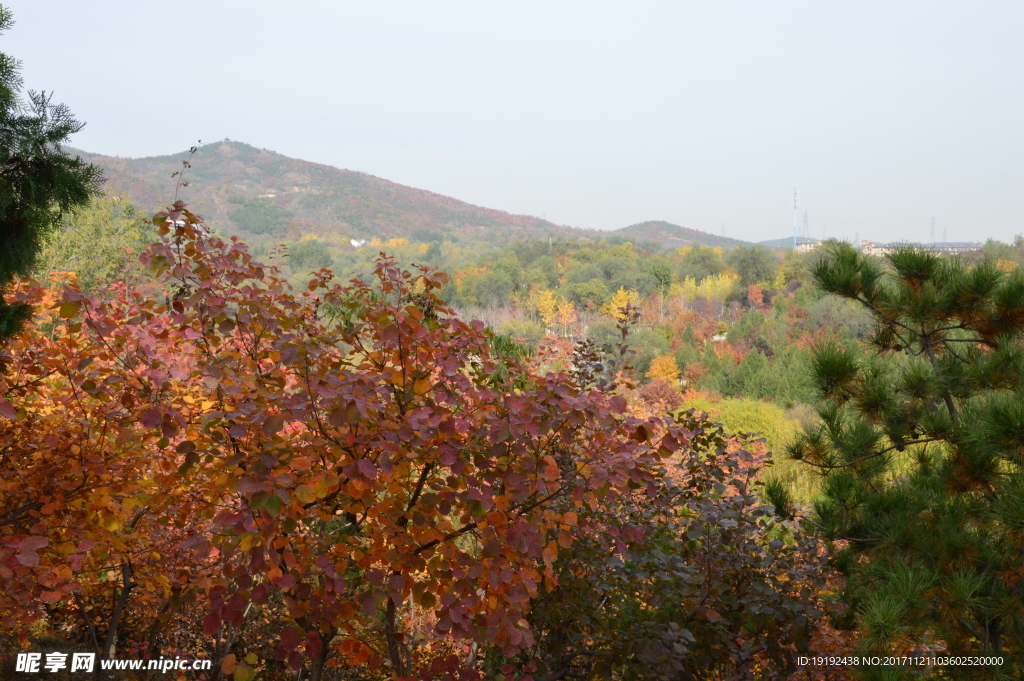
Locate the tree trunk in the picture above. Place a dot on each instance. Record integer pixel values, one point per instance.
(394, 647)
(319, 663)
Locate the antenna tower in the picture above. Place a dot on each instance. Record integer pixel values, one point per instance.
(795, 206)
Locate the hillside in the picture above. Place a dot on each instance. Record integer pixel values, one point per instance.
(674, 236)
(265, 196)
(255, 192)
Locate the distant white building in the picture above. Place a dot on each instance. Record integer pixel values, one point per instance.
(807, 246)
(358, 243)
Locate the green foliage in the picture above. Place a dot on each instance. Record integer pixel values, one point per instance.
(920, 449)
(751, 416)
(310, 254)
(258, 215)
(755, 265)
(646, 344)
(526, 332)
(39, 183)
(662, 275)
(590, 294)
(700, 262)
(92, 242)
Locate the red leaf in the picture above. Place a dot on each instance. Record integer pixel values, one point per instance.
(150, 418)
(50, 596)
(366, 468)
(248, 485)
(290, 638)
(7, 409)
(273, 425)
(211, 624)
(29, 558)
(71, 294)
(32, 543)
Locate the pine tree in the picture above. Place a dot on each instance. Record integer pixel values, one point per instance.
(39, 182)
(689, 338)
(921, 448)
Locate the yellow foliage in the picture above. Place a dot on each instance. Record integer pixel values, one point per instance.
(751, 416)
(711, 288)
(566, 313)
(1006, 265)
(778, 430)
(397, 242)
(546, 306)
(664, 367)
(619, 300)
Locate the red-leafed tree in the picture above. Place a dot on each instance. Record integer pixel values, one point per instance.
(346, 453)
(352, 476)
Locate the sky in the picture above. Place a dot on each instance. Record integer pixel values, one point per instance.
(884, 116)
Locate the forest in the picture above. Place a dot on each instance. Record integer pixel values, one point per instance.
(252, 448)
(555, 460)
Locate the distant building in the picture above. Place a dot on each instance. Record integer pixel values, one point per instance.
(807, 246)
(949, 247)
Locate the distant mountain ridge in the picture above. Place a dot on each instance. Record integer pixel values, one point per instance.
(676, 236)
(260, 194)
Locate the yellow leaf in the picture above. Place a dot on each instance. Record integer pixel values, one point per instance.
(70, 308)
(305, 494)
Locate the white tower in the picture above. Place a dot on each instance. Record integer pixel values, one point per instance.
(795, 206)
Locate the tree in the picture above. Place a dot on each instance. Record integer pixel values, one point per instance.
(920, 450)
(754, 265)
(39, 182)
(662, 274)
(691, 583)
(699, 262)
(92, 242)
(350, 455)
(309, 254)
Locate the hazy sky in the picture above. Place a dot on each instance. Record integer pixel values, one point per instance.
(593, 114)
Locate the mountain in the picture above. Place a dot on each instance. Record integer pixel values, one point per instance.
(264, 196)
(258, 193)
(674, 236)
